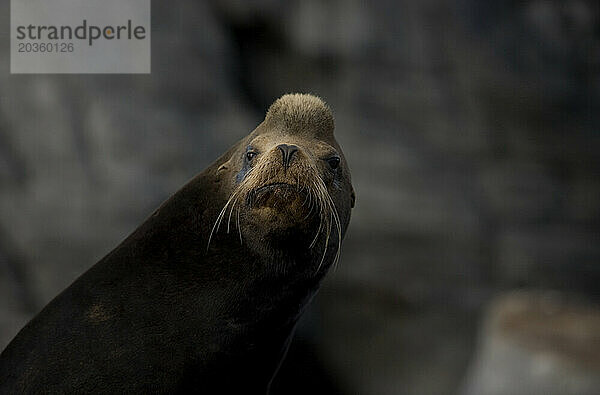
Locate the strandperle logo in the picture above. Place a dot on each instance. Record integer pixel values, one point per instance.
(80, 36)
(82, 32)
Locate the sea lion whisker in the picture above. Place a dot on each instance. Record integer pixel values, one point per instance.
(217, 224)
(314, 241)
(338, 225)
(326, 246)
(238, 225)
(331, 220)
(339, 231)
(318, 202)
(214, 228)
(310, 206)
(305, 200)
(231, 212)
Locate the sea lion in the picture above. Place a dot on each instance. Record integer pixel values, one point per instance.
(204, 295)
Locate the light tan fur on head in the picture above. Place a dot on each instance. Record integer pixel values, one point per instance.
(300, 112)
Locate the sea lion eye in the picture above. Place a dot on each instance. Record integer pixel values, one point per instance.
(334, 162)
(250, 155)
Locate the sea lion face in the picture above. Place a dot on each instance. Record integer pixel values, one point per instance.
(290, 182)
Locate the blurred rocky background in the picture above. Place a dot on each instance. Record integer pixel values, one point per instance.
(472, 264)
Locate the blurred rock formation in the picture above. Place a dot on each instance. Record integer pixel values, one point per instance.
(537, 343)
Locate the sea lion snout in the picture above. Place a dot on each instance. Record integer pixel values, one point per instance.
(280, 170)
(280, 182)
(287, 153)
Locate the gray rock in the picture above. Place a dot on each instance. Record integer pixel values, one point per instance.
(537, 343)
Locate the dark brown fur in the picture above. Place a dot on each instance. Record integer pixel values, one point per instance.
(204, 296)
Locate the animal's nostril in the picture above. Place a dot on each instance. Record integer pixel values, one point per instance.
(287, 153)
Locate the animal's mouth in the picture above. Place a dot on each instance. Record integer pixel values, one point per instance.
(274, 194)
(275, 185)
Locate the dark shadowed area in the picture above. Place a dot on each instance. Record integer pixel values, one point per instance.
(472, 130)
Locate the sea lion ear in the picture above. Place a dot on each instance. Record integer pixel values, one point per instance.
(228, 161)
(352, 199)
(224, 166)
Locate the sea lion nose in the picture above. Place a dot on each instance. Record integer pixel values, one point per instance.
(287, 152)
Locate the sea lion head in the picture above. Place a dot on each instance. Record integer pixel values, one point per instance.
(288, 182)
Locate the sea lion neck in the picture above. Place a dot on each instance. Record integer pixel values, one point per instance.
(183, 221)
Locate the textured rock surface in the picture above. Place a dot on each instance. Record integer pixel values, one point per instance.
(472, 134)
(537, 343)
